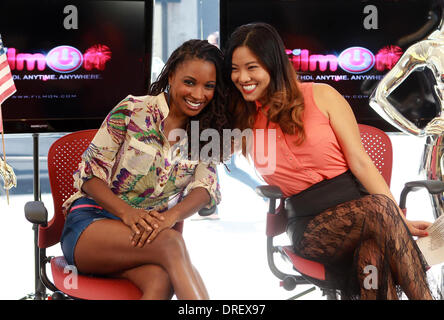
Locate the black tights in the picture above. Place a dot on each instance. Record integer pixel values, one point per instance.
(370, 235)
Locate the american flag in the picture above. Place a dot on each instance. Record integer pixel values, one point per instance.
(7, 87)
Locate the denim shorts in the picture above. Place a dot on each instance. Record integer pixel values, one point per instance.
(83, 212)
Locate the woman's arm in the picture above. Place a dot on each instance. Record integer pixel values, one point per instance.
(132, 217)
(203, 191)
(346, 130)
(193, 202)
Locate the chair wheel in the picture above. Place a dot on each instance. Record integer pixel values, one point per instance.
(58, 295)
(289, 283)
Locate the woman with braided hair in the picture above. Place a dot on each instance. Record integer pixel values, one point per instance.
(135, 182)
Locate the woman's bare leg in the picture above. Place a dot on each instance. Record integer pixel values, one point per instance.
(105, 248)
(202, 285)
(151, 279)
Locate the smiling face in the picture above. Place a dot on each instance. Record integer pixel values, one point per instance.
(192, 87)
(249, 75)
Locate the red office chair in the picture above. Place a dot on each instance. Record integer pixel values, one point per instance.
(379, 147)
(64, 157)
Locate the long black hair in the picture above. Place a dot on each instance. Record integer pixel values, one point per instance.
(214, 115)
(283, 95)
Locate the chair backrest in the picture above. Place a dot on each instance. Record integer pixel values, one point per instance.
(64, 156)
(379, 147)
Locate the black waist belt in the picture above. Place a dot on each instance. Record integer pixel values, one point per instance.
(324, 195)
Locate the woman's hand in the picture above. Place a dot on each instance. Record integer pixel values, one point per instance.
(141, 221)
(418, 228)
(163, 221)
(193, 202)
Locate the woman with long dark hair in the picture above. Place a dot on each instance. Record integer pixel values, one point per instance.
(319, 156)
(136, 181)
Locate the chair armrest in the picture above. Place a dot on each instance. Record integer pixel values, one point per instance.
(35, 212)
(432, 186)
(206, 212)
(271, 192)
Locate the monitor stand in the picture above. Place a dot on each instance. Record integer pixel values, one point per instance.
(40, 289)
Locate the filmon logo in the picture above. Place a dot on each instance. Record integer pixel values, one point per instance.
(353, 60)
(356, 60)
(62, 59)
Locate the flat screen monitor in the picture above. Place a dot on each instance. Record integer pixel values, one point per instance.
(73, 61)
(349, 44)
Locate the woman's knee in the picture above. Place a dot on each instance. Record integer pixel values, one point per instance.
(383, 209)
(171, 243)
(380, 203)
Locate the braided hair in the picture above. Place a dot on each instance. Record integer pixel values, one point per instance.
(214, 115)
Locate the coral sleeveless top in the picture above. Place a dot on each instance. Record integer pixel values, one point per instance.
(295, 168)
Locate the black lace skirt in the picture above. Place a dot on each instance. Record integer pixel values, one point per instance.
(366, 248)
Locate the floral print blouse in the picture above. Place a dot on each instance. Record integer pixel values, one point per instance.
(131, 153)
